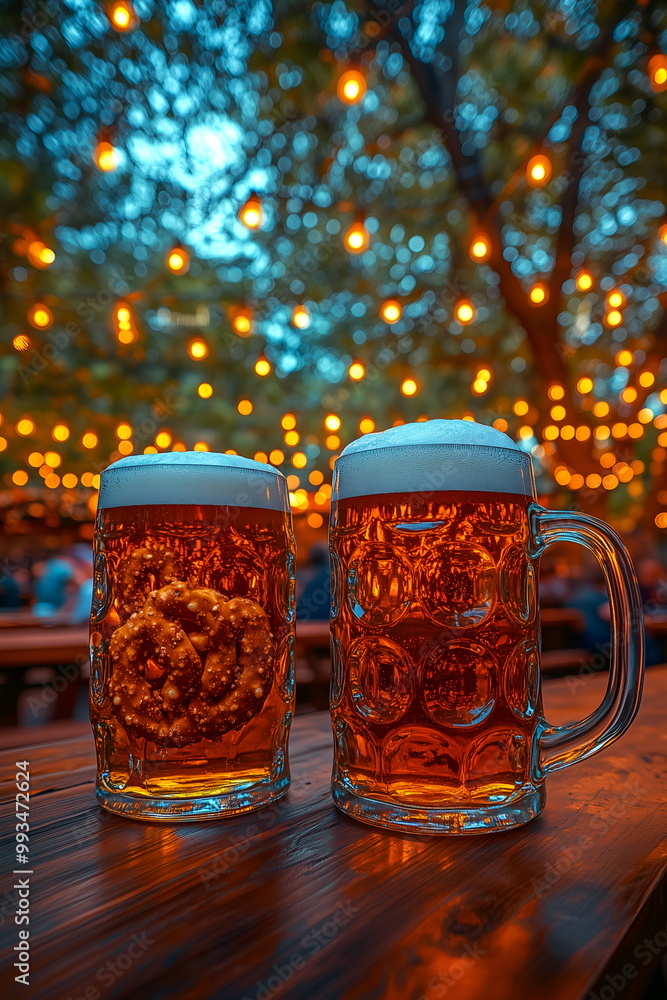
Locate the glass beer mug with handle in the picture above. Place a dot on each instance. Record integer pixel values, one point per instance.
(192, 635)
(435, 696)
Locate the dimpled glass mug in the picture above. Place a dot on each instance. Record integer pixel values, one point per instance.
(435, 698)
(192, 636)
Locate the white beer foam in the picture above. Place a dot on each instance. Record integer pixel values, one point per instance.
(192, 477)
(433, 455)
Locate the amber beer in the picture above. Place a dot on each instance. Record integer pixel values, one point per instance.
(435, 699)
(192, 636)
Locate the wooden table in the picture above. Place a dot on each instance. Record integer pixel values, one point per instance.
(298, 901)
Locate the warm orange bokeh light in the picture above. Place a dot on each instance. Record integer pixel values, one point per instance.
(25, 426)
(480, 247)
(332, 422)
(300, 317)
(584, 281)
(539, 170)
(539, 293)
(615, 299)
(465, 311)
(391, 311)
(657, 71)
(40, 316)
(40, 255)
(356, 371)
(262, 367)
(357, 238)
(198, 350)
(21, 342)
(351, 86)
(122, 16)
(105, 156)
(409, 387)
(242, 322)
(614, 317)
(205, 390)
(178, 260)
(251, 213)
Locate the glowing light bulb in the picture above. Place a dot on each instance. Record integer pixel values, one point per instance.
(25, 426)
(288, 422)
(251, 213)
(465, 311)
(539, 170)
(205, 390)
(122, 16)
(614, 317)
(21, 342)
(300, 317)
(616, 299)
(539, 293)
(40, 316)
(178, 260)
(198, 350)
(106, 156)
(20, 478)
(480, 247)
(351, 86)
(244, 407)
(662, 233)
(357, 238)
(356, 371)
(584, 281)
(409, 387)
(585, 384)
(124, 431)
(556, 391)
(657, 71)
(89, 439)
(332, 422)
(60, 432)
(40, 255)
(262, 367)
(366, 425)
(391, 311)
(242, 322)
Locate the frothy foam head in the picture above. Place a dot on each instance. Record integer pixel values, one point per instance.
(433, 456)
(193, 477)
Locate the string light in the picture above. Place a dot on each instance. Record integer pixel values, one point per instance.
(35, 458)
(163, 439)
(614, 317)
(366, 425)
(351, 86)
(356, 371)
(21, 342)
(556, 391)
(40, 316)
(332, 442)
(662, 233)
(288, 422)
(60, 432)
(521, 407)
(251, 213)
(69, 480)
(124, 431)
(25, 426)
(89, 440)
(585, 384)
(464, 311)
(244, 407)
(584, 281)
(539, 170)
(178, 261)
(299, 461)
(315, 477)
(480, 247)
(409, 387)
(646, 379)
(300, 317)
(122, 16)
(200, 446)
(106, 157)
(332, 422)
(40, 255)
(20, 478)
(291, 438)
(657, 71)
(242, 322)
(198, 350)
(624, 358)
(357, 238)
(262, 367)
(391, 311)
(277, 457)
(205, 390)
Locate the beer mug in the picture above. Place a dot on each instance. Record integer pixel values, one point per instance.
(192, 636)
(435, 695)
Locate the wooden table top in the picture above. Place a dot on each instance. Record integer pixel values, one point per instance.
(299, 901)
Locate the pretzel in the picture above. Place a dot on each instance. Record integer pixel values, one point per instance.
(190, 665)
(138, 568)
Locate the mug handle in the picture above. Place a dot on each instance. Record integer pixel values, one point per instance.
(580, 740)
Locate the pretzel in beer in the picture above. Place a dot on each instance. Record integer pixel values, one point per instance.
(190, 665)
(143, 570)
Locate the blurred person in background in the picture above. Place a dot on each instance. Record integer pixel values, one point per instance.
(64, 586)
(315, 600)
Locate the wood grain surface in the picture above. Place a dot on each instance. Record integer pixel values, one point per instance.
(298, 901)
